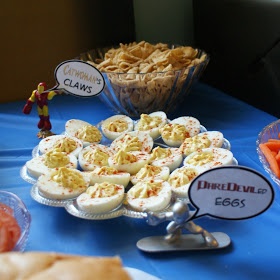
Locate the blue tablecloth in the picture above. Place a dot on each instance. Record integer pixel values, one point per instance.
(254, 252)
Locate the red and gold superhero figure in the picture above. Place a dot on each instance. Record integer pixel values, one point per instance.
(41, 97)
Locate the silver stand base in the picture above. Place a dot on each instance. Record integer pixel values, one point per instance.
(186, 242)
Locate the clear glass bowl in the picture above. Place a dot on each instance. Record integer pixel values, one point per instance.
(21, 214)
(272, 130)
(134, 94)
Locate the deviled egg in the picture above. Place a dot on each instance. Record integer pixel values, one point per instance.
(181, 178)
(154, 195)
(94, 155)
(174, 135)
(62, 183)
(150, 172)
(61, 143)
(116, 125)
(52, 159)
(130, 162)
(201, 141)
(170, 157)
(133, 141)
(192, 124)
(151, 123)
(84, 131)
(209, 158)
(110, 175)
(176, 131)
(101, 198)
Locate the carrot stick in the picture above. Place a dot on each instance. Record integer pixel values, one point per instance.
(273, 145)
(270, 159)
(273, 140)
(277, 157)
(274, 153)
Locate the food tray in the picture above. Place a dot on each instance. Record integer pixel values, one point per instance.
(121, 210)
(71, 206)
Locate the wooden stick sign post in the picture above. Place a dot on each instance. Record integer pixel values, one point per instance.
(79, 78)
(228, 192)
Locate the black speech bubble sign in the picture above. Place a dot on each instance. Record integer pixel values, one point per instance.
(79, 78)
(231, 192)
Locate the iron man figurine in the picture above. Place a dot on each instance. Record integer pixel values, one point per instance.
(41, 96)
